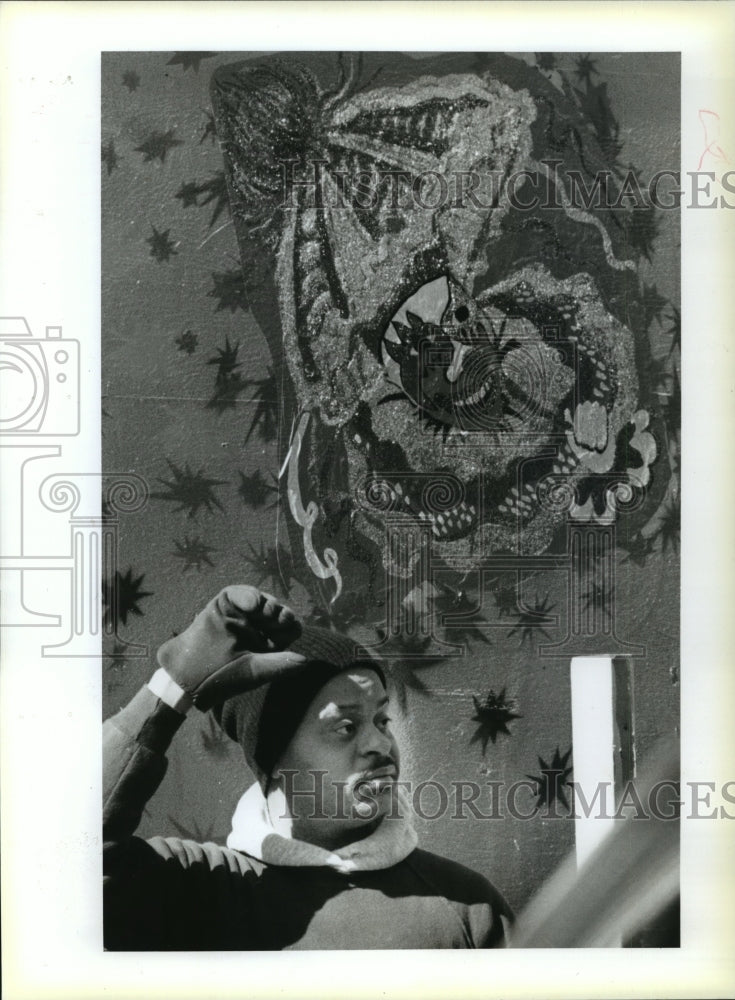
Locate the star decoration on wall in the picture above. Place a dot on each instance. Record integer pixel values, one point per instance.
(669, 526)
(654, 304)
(187, 342)
(552, 779)
(493, 716)
(406, 652)
(530, 621)
(599, 596)
(227, 392)
(265, 418)
(212, 190)
(229, 289)
(256, 491)
(121, 596)
(210, 129)
(586, 69)
(193, 552)
(638, 548)
(453, 603)
(226, 359)
(215, 190)
(505, 593)
(162, 247)
(188, 194)
(405, 675)
(595, 104)
(109, 156)
(115, 670)
(228, 382)
(157, 146)
(641, 228)
(189, 60)
(191, 490)
(271, 564)
(131, 80)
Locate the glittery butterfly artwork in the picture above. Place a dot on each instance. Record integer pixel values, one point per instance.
(451, 356)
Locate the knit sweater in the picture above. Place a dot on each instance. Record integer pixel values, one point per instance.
(169, 894)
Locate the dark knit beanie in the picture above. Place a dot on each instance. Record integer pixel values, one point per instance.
(264, 721)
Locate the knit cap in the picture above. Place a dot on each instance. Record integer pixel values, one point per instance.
(264, 720)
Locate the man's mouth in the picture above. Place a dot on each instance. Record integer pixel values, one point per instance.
(379, 780)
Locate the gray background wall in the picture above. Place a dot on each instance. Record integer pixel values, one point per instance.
(166, 316)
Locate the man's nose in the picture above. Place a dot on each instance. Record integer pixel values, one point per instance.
(376, 741)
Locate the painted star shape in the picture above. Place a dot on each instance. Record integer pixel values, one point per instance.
(653, 303)
(191, 490)
(638, 550)
(532, 620)
(194, 552)
(551, 780)
(109, 156)
(189, 60)
(493, 716)
(599, 596)
(641, 228)
(157, 146)
(669, 526)
(456, 601)
(131, 80)
(256, 491)
(215, 190)
(271, 564)
(586, 69)
(265, 417)
(162, 247)
(187, 342)
(226, 359)
(229, 289)
(210, 129)
(227, 392)
(506, 597)
(128, 590)
(188, 194)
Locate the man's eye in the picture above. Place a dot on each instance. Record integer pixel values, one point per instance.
(346, 728)
(383, 724)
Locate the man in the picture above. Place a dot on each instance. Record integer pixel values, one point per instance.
(322, 853)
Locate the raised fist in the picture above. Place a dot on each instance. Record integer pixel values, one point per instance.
(237, 642)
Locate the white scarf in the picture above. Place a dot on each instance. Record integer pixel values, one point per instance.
(254, 832)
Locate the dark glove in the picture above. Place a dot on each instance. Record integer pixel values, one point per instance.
(236, 643)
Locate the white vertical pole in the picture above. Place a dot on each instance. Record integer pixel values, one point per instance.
(593, 750)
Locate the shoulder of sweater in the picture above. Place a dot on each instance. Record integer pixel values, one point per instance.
(192, 854)
(456, 881)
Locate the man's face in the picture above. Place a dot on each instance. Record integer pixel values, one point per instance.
(346, 733)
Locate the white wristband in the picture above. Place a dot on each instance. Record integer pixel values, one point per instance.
(172, 694)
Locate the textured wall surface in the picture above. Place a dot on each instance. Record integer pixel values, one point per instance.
(176, 315)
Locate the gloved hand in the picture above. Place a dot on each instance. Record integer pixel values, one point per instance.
(236, 643)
